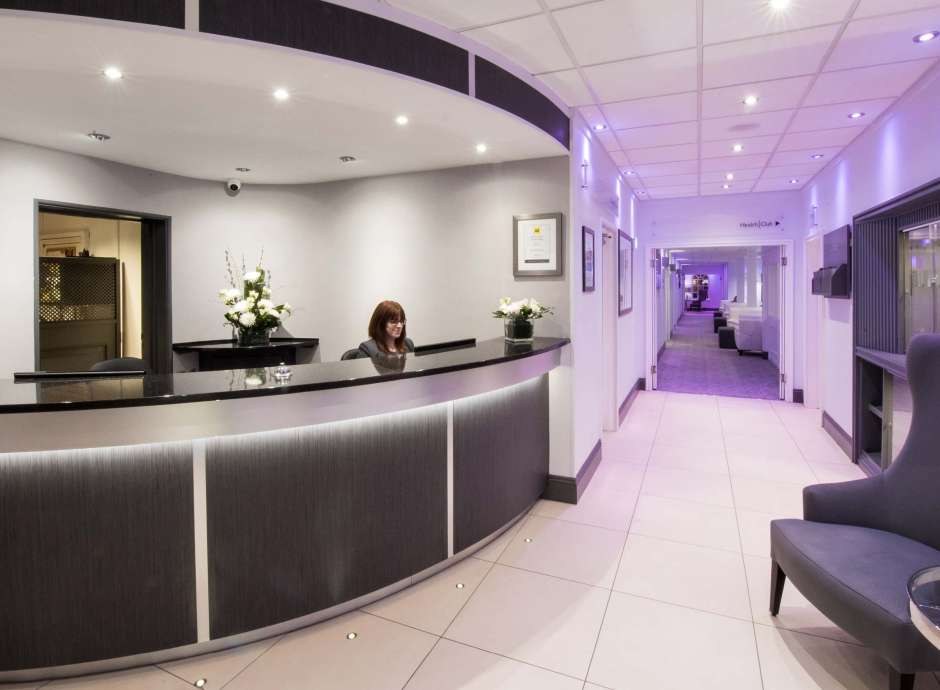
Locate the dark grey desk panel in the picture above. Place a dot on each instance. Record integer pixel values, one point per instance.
(222, 385)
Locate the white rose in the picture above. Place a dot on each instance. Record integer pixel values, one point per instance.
(252, 276)
(247, 319)
(233, 293)
(265, 303)
(240, 306)
(515, 307)
(504, 308)
(534, 306)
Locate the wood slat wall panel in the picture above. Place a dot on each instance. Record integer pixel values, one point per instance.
(500, 458)
(304, 519)
(876, 287)
(170, 13)
(97, 552)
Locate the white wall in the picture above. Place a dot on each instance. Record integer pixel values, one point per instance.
(896, 154)
(716, 220)
(439, 242)
(771, 303)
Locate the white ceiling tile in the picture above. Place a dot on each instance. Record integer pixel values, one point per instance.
(730, 20)
(608, 140)
(735, 163)
(558, 4)
(620, 158)
(460, 14)
(672, 180)
(664, 154)
(616, 29)
(805, 156)
(647, 76)
(879, 81)
(870, 8)
(778, 185)
(760, 124)
(832, 116)
(592, 115)
(673, 192)
(774, 95)
(737, 187)
(718, 176)
(719, 149)
(802, 170)
(766, 58)
(569, 86)
(659, 135)
(652, 111)
(798, 141)
(661, 169)
(886, 39)
(531, 43)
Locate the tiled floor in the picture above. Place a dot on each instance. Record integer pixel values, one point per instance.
(658, 579)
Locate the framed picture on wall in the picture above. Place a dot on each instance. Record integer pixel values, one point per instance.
(587, 259)
(537, 245)
(625, 271)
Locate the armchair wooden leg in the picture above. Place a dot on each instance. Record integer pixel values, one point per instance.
(778, 579)
(900, 681)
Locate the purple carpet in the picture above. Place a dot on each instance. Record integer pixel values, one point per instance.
(693, 363)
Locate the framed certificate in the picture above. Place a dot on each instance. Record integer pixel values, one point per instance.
(587, 259)
(625, 271)
(537, 245)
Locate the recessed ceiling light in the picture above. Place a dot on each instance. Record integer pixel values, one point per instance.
(726, 186)
(460, 585)
(631, 173)
(856, 115)
(98, 136)
(751, 100)
(794, 181)
(351, 636)
(729, 176)
(242, 169)
(200, 683)
(737, 148)
(347, 159)
(281, 94)
(481, 148)
(779, 4)
(817, 156)
(112, 73)
(528, 540)
(926, 36)
(401, 120)
(600, 127)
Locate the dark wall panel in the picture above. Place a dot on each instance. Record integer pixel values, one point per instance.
(498, 87)
(500, 458)
(161, 12)
(341, 32)
(876, 286)
(301, 520)
(97, 554)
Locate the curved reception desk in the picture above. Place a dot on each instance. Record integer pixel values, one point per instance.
(145, 519)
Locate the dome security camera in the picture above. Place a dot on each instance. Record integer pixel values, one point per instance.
(233, 187)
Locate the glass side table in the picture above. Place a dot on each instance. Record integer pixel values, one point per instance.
(924, 591)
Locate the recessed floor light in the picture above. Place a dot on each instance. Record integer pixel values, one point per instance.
(98, 136)
(729, 176)
(481, 148)
(926, 36)
(751, 100)
(281, 94)
(401, 120)
(112, 73)
(856, 115)
(817, 156)
(737, 148)
(351, 636)
(600, 127)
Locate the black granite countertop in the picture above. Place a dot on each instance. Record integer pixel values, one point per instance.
(112, 392)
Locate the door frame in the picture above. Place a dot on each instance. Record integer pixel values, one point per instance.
(610, 316)
(788, 293)
(156, 277)
(815, 326)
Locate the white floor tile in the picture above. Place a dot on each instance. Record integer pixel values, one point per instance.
(693, 576)
(688, 485)
(689, 457)
(453, 666)
(618, 476)
(683, 521)
(492, 551)
(793, 661)
(779, 445)
(821, 451)
(566, 549)
(796, 613)
(626, 447)
(771, 497)
(432, 604)
(755, 532)
(597, 506)
(713, 443)
(792, 469)
(383, 655)
(830, 472)
(144, 678)
(534, 618)
(220, 667)
(648, 644)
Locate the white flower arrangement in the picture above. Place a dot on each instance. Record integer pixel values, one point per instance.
(250, 310)
(523, 310)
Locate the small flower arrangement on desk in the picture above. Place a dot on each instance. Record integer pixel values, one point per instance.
(251, 312)
(518, 316)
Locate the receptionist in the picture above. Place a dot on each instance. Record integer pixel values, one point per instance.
(387, 331)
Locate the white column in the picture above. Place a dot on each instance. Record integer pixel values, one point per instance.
(753, 275)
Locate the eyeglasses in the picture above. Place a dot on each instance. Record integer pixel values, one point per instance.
(396, 322)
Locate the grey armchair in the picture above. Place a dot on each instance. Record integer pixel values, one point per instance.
(860, 541)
